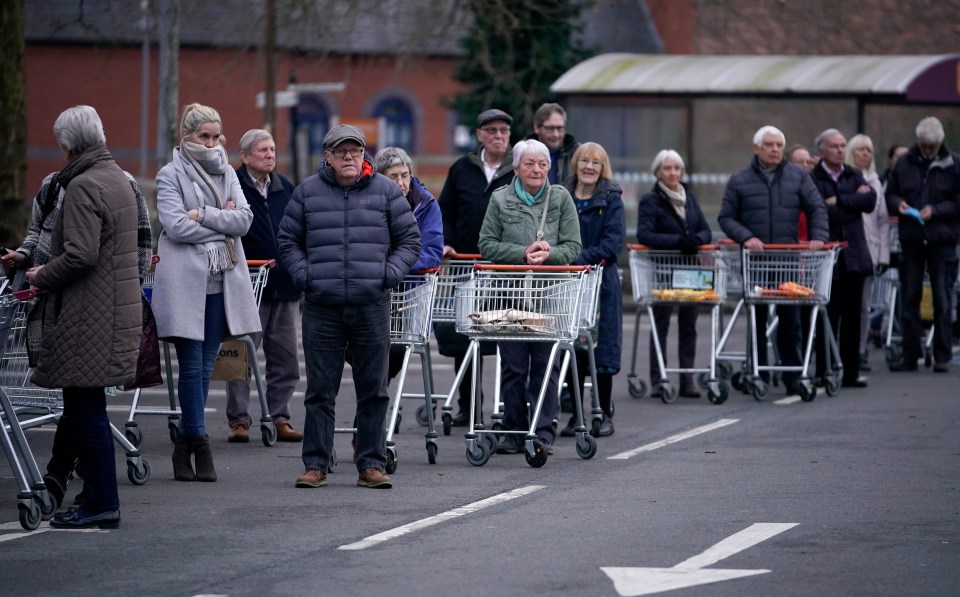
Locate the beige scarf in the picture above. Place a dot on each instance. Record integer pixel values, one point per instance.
(677, 198)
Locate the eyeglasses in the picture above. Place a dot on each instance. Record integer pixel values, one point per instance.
(342, 153)
(589, 162)
(496, 130)
(554, 129)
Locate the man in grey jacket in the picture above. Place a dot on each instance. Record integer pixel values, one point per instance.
(762, 205)
(347, 238)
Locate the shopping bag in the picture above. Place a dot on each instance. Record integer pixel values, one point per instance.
(231, 363)
(148, 363)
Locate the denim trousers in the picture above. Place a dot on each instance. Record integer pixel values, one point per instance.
(196, 359)
(328, 332)
(85, 429)
(523, 367)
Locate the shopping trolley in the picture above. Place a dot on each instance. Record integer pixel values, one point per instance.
(259, 272)
(791, 275)
(668, 278)
(586, 328)
(519, 303)
(411, 311)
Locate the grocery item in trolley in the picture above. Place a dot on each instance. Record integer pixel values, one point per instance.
(779, 273)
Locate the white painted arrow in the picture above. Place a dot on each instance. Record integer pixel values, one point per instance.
(631, 582)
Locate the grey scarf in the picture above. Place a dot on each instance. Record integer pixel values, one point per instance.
(206, 167)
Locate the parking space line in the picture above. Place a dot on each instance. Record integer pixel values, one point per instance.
(438, 518)
(673, 439)
(788, 400)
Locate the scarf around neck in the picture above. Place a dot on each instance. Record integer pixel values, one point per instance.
(678, 199)
(523, 195)
(202, 169)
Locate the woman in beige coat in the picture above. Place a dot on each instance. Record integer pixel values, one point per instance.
(91, 322)
(202, 291)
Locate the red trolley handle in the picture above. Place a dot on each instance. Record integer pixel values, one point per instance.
(532, 268)
(270, 263)
(804, 246)
(466, 257)
(636, 247)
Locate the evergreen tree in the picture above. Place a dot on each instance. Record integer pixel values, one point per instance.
(13, 156)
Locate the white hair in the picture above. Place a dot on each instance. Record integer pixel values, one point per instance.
(930, 130)
(78, 128)
(821, 139)
(768, 130)
(252, 138)
(528, 146)
(664, 155)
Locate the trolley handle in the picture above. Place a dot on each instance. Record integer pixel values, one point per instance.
(464, 257)
(430, 270)
(270, 263)
(532, 268)
(155, 259)
(804, 246)
(28, 293)
(638, 247)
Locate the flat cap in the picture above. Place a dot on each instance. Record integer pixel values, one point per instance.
(341, 133)
(491, 115)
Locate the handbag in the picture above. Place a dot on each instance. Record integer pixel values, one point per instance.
(34, 328)
(148, 362)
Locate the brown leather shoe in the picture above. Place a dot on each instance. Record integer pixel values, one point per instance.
(239, 432)
(311, 479)
(286, 432)
(374, 477)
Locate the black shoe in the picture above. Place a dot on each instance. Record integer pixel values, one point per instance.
(510, 444)
(854, 383)
(461, 419)
(941, 367)
(904, 365)
(689, 393)
(606, 427)
(547, 447)
(56, 486)
(569, 430)
(75, 520)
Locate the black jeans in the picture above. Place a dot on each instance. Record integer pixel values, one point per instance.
(845, 313)
(940, 261)
(523, 369)
(788, 340)
(686, 342)
(327, 334)
(85, 431)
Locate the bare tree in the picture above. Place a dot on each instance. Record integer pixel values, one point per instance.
(169, 78)
(13, 123)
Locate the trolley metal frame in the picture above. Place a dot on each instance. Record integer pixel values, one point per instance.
(589, 305)
(259, 272)
(512, 303)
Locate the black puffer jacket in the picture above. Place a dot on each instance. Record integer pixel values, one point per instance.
(770, 211)
(348, 245)
(846, 217)
(659, 225)
(921, 182)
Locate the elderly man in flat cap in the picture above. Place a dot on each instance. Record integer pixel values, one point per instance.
(347, 238)
(463, 205)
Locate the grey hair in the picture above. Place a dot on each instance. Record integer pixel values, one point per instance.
(251, 138)
(526, 146)
(196, 115)
(388, 157)
(930, 130)
(855, 143)
(664, 155)
(767, 130)
(79, 128)
(821, 139)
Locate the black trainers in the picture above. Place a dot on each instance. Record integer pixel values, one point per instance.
(510, 444)
(606, 427)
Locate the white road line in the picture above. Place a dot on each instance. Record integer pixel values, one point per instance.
(673, 439)
(442, 517)
(43, 528)
(788, 400)
(748, 537)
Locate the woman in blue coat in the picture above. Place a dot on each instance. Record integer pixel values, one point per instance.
(670, 218)
(602, 232)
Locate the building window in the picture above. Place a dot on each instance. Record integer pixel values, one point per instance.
(399, 118)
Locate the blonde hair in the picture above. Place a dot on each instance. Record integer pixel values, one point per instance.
(856, 142)
(590, 149)
(195, 115)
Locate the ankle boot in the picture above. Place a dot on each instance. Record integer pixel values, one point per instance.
(204, 458)
(182, 468)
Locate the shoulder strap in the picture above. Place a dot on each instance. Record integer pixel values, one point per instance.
(543, 216)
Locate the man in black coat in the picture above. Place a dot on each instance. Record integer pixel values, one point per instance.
(762, 204)
(924, 188)
(848, 197)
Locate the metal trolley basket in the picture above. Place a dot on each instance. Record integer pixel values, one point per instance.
(667, 278)
(259, 272)
(589, 304)
(791, 275)
(508, 303)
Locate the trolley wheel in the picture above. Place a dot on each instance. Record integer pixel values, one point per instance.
(138, 472)
(594, 429)
(268, 433)
(808, 391)
(721, 396)
(638, 388)
(391, 461)
(760, 390)
(431, 452)
(333, 461)
(539, 457)
(422, 415)
(491, 441)
(447, 423)
(704, 380)
(479, 455)
(586, 446)
(134, 436)
(29, 515)
(832, 385)
(174, 431)
(48, 504)
(668, 393)
(736, 380)
(893, 353)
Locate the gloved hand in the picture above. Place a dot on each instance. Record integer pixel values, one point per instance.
(688, 244)
(882, 268)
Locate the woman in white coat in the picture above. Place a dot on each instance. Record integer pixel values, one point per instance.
(202, 291)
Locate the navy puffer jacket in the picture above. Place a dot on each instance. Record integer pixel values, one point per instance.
(348, 245)
(846, 217)
(770, 211)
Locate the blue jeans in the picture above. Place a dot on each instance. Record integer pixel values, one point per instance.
(523, 367)
(196, 360)
(85, 428)
(327, 333)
